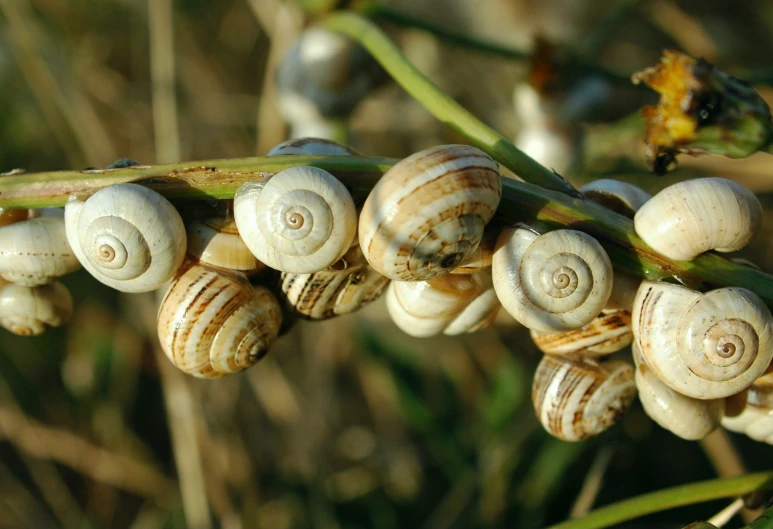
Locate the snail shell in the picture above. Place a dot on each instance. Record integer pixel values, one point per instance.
(624, 289)
(127, 236)
(621, 197)
(301, 221)
(482, 257)
(609, 332)
(35, 252)
(451, 304)
(216, 241)
(427, 213)
(756, 417)
(577, 399)
(212, 322)
(311, 146)
(691, 217)
(553, 282)
(684, 416)
(705, 346)
(334, 291)
(31, 310)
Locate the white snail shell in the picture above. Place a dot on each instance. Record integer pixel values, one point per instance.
(301, 221)
(609, 332)
(705, 346)
(684, 416)
(216, 241)
(427, 213)
(756, 417)
(553, 282)
(31, 310)
(691, 217)
(311, 146)
(212, 322)
(577, 399)
(621, 197)
(451, 304)
(127, 236)
(342, 289)
(35, 252)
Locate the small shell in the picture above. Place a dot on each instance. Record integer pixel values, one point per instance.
(691, 217)
(212, 322)
(35, 252)
(756, 418)
(575, 400)
(216, 241)
(705, 346)
(127, 236)
(301, 221)
(624, 289)
(618, 196)
(31, 310)
(609, 332)
(428, 212)
(451, 304)
(311, 146)
(553, 282)
(482, 257)
(686, 417)
(334, 291)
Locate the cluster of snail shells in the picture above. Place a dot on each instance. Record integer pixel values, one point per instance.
(698, 354)
(34, 253)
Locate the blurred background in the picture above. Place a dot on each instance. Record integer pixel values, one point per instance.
(346, 423)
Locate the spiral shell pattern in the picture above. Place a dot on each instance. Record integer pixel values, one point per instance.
(553, 282)
(609, 332)
(689, 418)
(694, 216)
(127, 236)
(576, 399)
(427, 213)
(335, 291)
(212, 322)
(301, 221)
(35, 252)
(28, 311)
(705, 346)
(451, 304)
(216, 241)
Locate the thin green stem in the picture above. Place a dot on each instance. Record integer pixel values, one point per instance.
(440, 105)
(521, 202)
(668, 499)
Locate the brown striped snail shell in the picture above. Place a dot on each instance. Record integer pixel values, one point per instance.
(609, 332)
(553, 282)
(621, 197)
(35, 251)
(427, 214)
(450, 304)
(705, 346)
(482, 257)
(684, 416)
(756, 417)
(29, 311)
(334, 291)
(577, 399)
(216, 241)
(213, 322)
(694, 216)
(127, 236)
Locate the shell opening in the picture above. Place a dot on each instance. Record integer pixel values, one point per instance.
(451, 260)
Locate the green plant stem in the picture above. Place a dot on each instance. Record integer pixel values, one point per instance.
(441, 105)
(521, 202)
(668, 499)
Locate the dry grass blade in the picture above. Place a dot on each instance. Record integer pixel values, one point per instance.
(162, 75)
